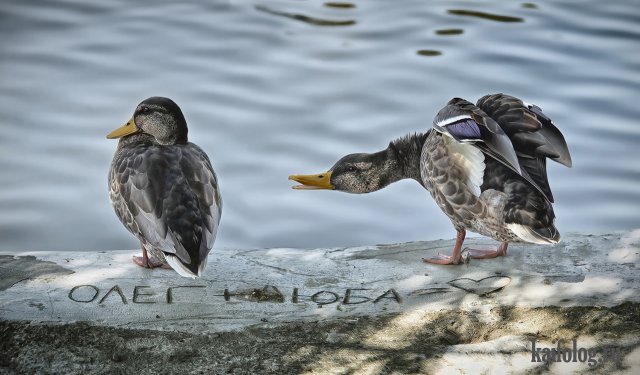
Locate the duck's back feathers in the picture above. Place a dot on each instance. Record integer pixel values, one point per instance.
(533, 135)
(531, 131)
(516, 134)
(467, 123)
(203, 183)
(168, 196)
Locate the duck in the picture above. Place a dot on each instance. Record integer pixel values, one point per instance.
(164, 190)
(484, 164)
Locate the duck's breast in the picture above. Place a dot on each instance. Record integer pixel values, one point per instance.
(453, 172)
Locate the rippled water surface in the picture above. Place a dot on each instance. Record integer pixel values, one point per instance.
(271, 88)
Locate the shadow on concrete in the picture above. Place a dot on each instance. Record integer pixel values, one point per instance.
(257, 313)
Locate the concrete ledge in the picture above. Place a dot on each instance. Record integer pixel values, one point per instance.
(369, 301)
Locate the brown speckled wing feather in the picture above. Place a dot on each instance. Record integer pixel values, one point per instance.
(533, 135)
(531, 131)
(203, 182)
(168, 196)
(489, 136)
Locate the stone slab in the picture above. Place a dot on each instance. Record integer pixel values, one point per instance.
(266, 287)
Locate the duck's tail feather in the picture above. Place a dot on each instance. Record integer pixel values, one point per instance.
(180, 268)
(546, 235)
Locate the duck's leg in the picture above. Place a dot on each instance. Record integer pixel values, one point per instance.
(456, 257)
(501, 250)
(147, 262)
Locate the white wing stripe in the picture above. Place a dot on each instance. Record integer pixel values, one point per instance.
(451, 120)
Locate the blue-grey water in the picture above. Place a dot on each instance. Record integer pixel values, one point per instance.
(271, 88)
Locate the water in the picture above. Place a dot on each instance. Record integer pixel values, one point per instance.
(272, 88)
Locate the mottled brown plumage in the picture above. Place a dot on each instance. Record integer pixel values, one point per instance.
(164, 190)
(484, 164)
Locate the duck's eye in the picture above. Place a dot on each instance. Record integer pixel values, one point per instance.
(351, 168)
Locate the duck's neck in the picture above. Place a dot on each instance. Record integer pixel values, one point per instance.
(136, 139)
(147, 139)
(406, 152)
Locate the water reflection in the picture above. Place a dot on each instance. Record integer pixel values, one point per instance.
(449, 31)
(484, 15)
(429, 52)
(529, 5)
(307, 19)
(340, 5)
(266, 96)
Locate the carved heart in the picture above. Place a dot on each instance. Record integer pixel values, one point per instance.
(482, 287)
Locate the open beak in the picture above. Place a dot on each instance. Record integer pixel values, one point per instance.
(313, 181)
(126, 129)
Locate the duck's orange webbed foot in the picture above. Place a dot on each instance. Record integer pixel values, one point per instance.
(501, 250)
(444, 259)
(147, 262)
(455, 258)
(150, 263)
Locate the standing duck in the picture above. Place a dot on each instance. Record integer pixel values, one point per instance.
(164, 189)
(484, 164)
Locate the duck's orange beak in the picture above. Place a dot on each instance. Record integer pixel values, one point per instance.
(126, 129)
(320, 181)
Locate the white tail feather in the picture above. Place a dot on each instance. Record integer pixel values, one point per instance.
(528, 235)
(177, 266)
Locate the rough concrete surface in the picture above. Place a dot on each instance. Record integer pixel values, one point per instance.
(365, 310)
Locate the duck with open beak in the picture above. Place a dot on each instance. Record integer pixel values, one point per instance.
(484, 164)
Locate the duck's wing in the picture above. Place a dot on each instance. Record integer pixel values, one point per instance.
(517, 135)
(203, 181)
(532, 133)
(168, 197)
(466, 123)
(139, 188)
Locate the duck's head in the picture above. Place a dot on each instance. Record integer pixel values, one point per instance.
(355, 173)
(159, 119)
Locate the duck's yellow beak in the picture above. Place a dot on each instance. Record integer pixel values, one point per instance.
(313, 181)
(126, 129)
